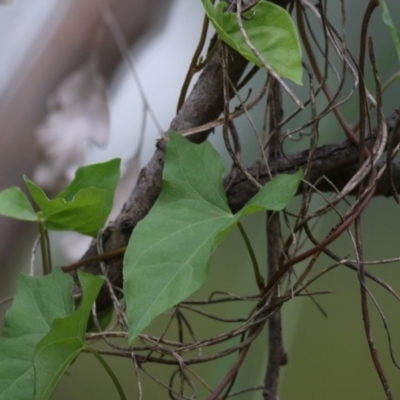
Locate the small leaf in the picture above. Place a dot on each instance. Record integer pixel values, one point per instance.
(85, 204)
(101, 176)
(275, 195)
(270, 30)
(46, 205)
(15, 204)
(168, 255)
(39, 300)
(85, 213)
(65, 340)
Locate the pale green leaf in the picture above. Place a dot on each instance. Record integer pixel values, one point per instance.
(15, 204)
(270, 30)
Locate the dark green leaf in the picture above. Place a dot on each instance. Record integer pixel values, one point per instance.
(39, 300)
(14, 204)
(65, 340)
(270, 30)
(168, 254)
(104, 319)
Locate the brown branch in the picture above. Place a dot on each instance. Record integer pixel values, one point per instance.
(338, 162)
(276, 352)
(204, 104)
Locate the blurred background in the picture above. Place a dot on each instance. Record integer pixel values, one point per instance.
(127, 102)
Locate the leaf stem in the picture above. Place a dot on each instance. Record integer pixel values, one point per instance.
(44, 249)
(390, 81)
(256, 269)
(109, 371)
(94, 259)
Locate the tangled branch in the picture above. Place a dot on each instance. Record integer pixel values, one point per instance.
(352, 171)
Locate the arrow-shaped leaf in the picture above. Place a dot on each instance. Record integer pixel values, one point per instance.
(39, 300)
(65, 340)
(85, 204)
(168, 255)
(270, 30)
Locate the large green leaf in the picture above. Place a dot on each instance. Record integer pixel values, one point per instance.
(65, 340)
(15, 204)
(168, 255)
(39, 300)
(85, 204)
(270, 30)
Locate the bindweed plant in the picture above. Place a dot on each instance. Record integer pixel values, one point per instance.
(41, 337)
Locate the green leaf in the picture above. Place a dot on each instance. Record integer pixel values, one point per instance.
(65, 340)
(39, 300)
(85, 204)
(168, 255)
(15, 204)
(387, 19)
(270, 30)
(85, 213)
(275, 195)
(103, 176)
